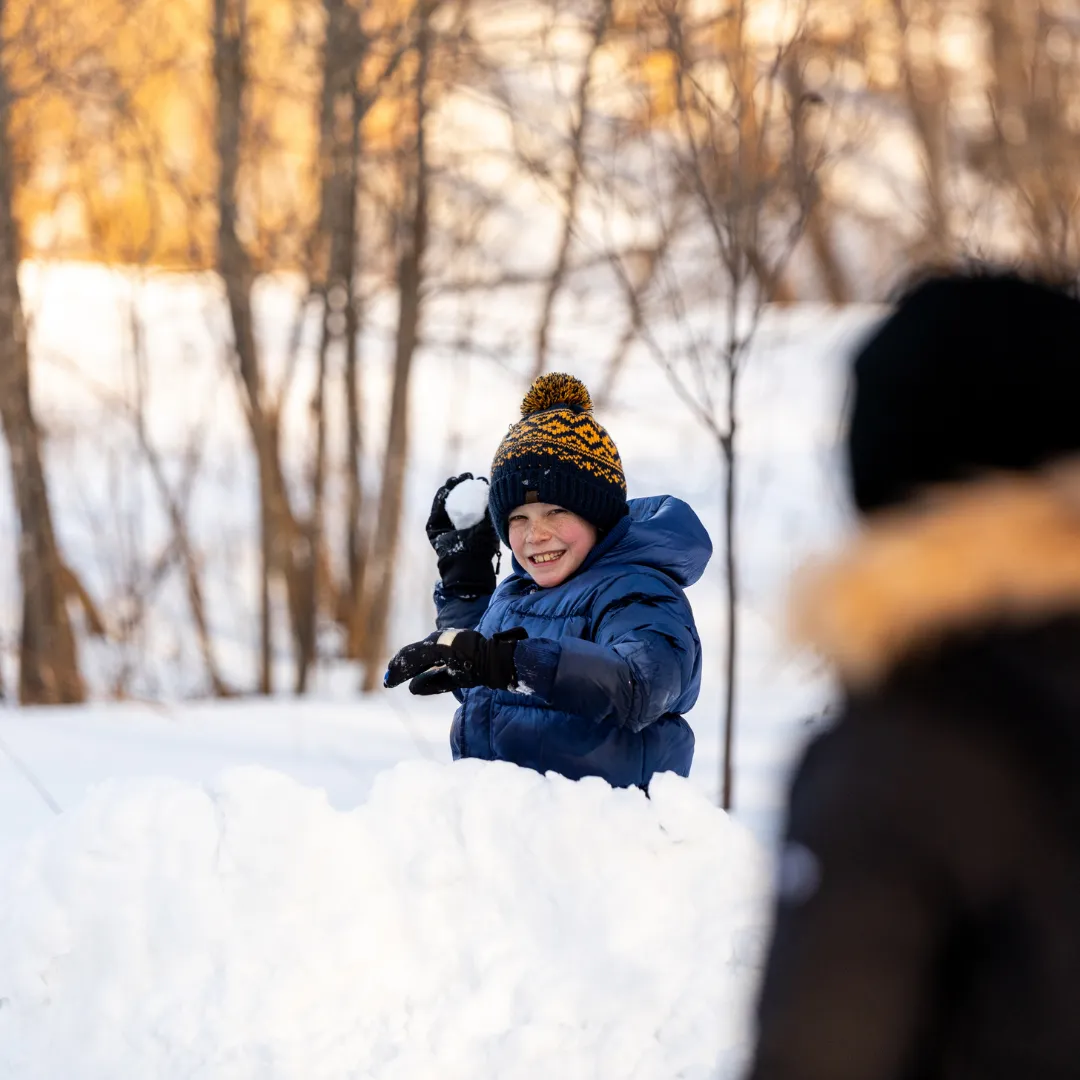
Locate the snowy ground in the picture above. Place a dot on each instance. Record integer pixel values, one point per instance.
(473, 921)
(167, 910)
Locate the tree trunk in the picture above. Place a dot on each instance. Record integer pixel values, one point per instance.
(1036, 144)
(926, 98)
(354, 498)
(808, 189)
(48, 659)
(339, 141)
(379, 575)
(731, 601)
(285, 550)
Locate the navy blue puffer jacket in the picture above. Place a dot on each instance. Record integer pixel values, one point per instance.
(611, 662)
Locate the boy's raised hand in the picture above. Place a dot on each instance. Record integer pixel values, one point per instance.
(454, 660)
(465, 555)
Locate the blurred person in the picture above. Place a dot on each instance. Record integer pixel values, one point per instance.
(583, 660)
(928, 895)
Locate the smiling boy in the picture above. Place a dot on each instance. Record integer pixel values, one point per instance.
(584, 659)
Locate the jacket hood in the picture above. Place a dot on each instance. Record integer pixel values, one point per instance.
(661, 532)
(1005, 550)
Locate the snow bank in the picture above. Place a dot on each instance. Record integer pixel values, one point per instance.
(472, 921)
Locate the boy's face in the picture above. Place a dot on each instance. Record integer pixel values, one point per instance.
(550, 543)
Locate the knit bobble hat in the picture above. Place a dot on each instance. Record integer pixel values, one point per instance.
(970, 374)
(557, 453)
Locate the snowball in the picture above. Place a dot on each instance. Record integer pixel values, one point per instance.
(467, 503)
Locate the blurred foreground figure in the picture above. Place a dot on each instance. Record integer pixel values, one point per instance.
(928, 909)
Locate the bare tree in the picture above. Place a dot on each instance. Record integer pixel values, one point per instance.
(334, 282)
(230, 77)
(286, 551)
(806, 165)
(740, 158)
(1032, 156)
(574, 181)
(413, 238)
(926, 97)
(346, 101)
(181, 545)
(48, 660)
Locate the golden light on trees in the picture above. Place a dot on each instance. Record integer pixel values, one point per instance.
(113, 129)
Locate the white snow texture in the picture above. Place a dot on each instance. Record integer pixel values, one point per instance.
(473, 920)
(467, 503)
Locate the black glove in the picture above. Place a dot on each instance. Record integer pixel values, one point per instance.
(464, 554)
(456, 659)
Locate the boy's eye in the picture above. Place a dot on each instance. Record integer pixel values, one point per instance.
(556, 510)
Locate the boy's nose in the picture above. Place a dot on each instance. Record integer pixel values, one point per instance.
(537, 533)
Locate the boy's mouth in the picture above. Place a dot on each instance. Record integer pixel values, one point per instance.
(546, 557)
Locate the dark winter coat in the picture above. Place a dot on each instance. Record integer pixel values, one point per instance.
(612, 660)
(928, 913)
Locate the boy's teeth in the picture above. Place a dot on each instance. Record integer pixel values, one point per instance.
(549, 557)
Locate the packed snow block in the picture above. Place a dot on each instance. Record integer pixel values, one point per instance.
(468, 920)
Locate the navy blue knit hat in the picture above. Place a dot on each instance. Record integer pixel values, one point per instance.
(557, 453)
(972, 373)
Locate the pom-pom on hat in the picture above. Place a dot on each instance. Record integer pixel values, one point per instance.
(557, 453)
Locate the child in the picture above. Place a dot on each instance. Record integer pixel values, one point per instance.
(583, 659)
